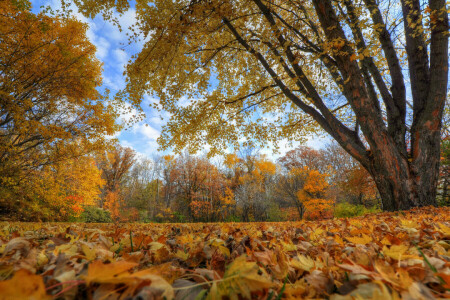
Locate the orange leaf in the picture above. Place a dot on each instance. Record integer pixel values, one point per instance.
(107, 273)
(23, 285)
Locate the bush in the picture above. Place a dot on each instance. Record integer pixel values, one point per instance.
(347, 210)
(232, 218)
(274, 213)
(92, 214)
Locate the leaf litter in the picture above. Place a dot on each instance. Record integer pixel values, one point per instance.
(404, 255)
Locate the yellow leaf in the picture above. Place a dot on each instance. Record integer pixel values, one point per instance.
(241, 278)
(182, 255)
(118, 273)
(154, 246)
(67, 249)
(42, 259)
(316, 233)
(396, 251)
(444, 229)
(409, 224)
(287, 247)
(365, 239)
(338, 240)
(114, 247)
(385, 241)
(305, 263)
(224, 250)
(220, 245)
(90, 253)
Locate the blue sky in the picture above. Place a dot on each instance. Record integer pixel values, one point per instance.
(113, 50)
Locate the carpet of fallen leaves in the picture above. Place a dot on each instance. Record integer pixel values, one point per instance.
(383, 256)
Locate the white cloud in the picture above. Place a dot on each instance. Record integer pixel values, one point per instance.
(126, 143)
(318, 142)
(102, 46)
(146, 131)
(121, 58)
(156, 120)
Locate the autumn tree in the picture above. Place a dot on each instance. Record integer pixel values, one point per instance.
(169, 174)
(115, 164)
(312, 195)
(56, 192)
(349, 181)
(288, 186)
(50, 108)
(304, 156)
(256, 189)
(338, 63)
(199, 189)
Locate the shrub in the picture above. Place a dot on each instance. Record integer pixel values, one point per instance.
(92, 214)
(274, 213)
(347, 210)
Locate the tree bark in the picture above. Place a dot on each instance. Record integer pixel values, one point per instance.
(405, 178)
(401, 185)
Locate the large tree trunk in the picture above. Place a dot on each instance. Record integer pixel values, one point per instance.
(405, 177)
(405, 183)
(406, 192)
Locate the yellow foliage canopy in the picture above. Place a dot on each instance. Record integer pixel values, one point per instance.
(50, 109)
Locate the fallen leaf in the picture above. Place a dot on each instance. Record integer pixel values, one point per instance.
(23, 285)
(365, 239)
(241, 278)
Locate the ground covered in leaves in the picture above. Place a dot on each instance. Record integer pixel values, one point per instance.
(383, 256)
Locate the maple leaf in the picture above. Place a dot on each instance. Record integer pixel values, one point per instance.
(303, 263)
(100, 272)
(241, 278)
(365, 239)
(397, 252)
(118, 273)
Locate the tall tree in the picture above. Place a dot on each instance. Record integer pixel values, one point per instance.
(115, 164)
(339, 63)
(50, 109)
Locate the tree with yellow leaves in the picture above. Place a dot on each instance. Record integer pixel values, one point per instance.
(50, 108)
(284, 68)
(114, 164)
(307, 190)
(256, 188)
(57, 192)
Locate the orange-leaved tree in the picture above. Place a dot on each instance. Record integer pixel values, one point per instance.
(313, 194)
(115, 163)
